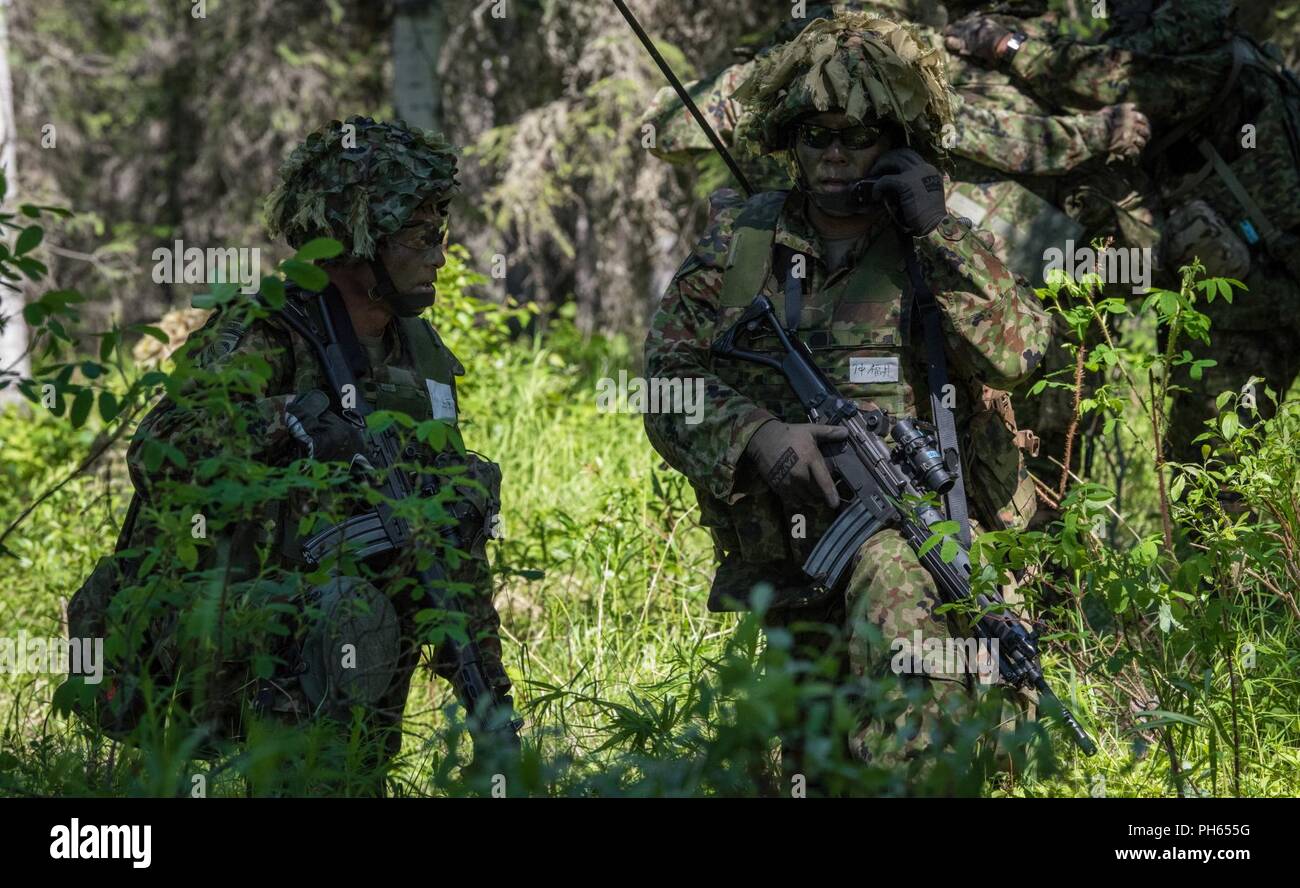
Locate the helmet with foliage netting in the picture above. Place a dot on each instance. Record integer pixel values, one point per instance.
(358, 182)
(864, 66)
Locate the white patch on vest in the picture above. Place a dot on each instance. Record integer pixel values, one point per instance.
(872, 370)
(443, 400)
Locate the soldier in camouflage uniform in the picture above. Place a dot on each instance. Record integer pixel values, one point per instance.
(318, 645)
(754, 460)
(1227, 160)
(1018, 172)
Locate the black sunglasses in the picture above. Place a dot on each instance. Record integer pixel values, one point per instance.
(422, 235)
(853, 138)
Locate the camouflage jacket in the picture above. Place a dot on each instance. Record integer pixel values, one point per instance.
(860, 326)
(1176, 89)
(264, 365)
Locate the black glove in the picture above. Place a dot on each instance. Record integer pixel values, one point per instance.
(914, 187)
(977, 37)
(324, 433)
(788, 458)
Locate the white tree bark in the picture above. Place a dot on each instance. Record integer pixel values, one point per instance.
(13, 339)
(419, 27)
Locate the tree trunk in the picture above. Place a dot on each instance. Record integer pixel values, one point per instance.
(419, 27)
(13, 340)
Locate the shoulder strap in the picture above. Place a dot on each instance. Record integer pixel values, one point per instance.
(783, 258)
(936, 364)
(749, 258)
(1256, 225)
(1239, 52)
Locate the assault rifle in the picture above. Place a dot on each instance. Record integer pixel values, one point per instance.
(883, 487)
(381, 530)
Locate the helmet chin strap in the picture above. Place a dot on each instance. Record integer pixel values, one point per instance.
(387, 291)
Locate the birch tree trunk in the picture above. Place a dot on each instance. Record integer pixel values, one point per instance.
(13, 339)
(419, 27)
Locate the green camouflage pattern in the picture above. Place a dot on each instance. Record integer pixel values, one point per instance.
(862, 65)
(357, 182)
(1175, 27)
(995, 328)
(1175, 69)
(274, 364)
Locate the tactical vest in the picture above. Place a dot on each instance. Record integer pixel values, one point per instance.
(858, 328)
(860, 332)
(1253, 191)
(418, 378)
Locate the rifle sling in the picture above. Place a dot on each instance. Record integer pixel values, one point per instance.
(936, 365)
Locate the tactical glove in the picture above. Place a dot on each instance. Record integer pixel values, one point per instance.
(1129, 129)
(977, 37)
(324, 433)
(913, 187)
(788, 458)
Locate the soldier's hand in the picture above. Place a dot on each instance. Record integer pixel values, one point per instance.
(977, 37)
(322, 432)
(913, 186)
(1130, 130)
(790, 461)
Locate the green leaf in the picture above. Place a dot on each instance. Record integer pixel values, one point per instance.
(1158, 718)
(108, 406)
(29, 239)
(187, 553)
(273, 291)
(1229, 424)
(309, 277)
(106, 345)
(155, 332)
(34, 313)
(929, 544)
(320, 248)
(81, 407)
(949, 550)
(91, 370)
(32, 211)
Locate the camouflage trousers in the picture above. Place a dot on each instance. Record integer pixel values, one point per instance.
(891, 645)
(288, 702)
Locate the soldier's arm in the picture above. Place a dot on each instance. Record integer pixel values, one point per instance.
(708, 451)
(1166, 88)
(996, 328)
(227, 394)
(1028, 144)
(678, 137)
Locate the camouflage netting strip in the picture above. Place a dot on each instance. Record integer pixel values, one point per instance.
(860, 64)
(362, 194)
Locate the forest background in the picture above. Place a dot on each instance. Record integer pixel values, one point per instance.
(152, 124)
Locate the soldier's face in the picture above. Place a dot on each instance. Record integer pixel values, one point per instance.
(414, 254)
(829, 164)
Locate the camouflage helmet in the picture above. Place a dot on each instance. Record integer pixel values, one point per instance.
(864, 66)
(358, 182)
(792, 25)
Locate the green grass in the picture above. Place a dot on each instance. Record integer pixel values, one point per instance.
(627, 683)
